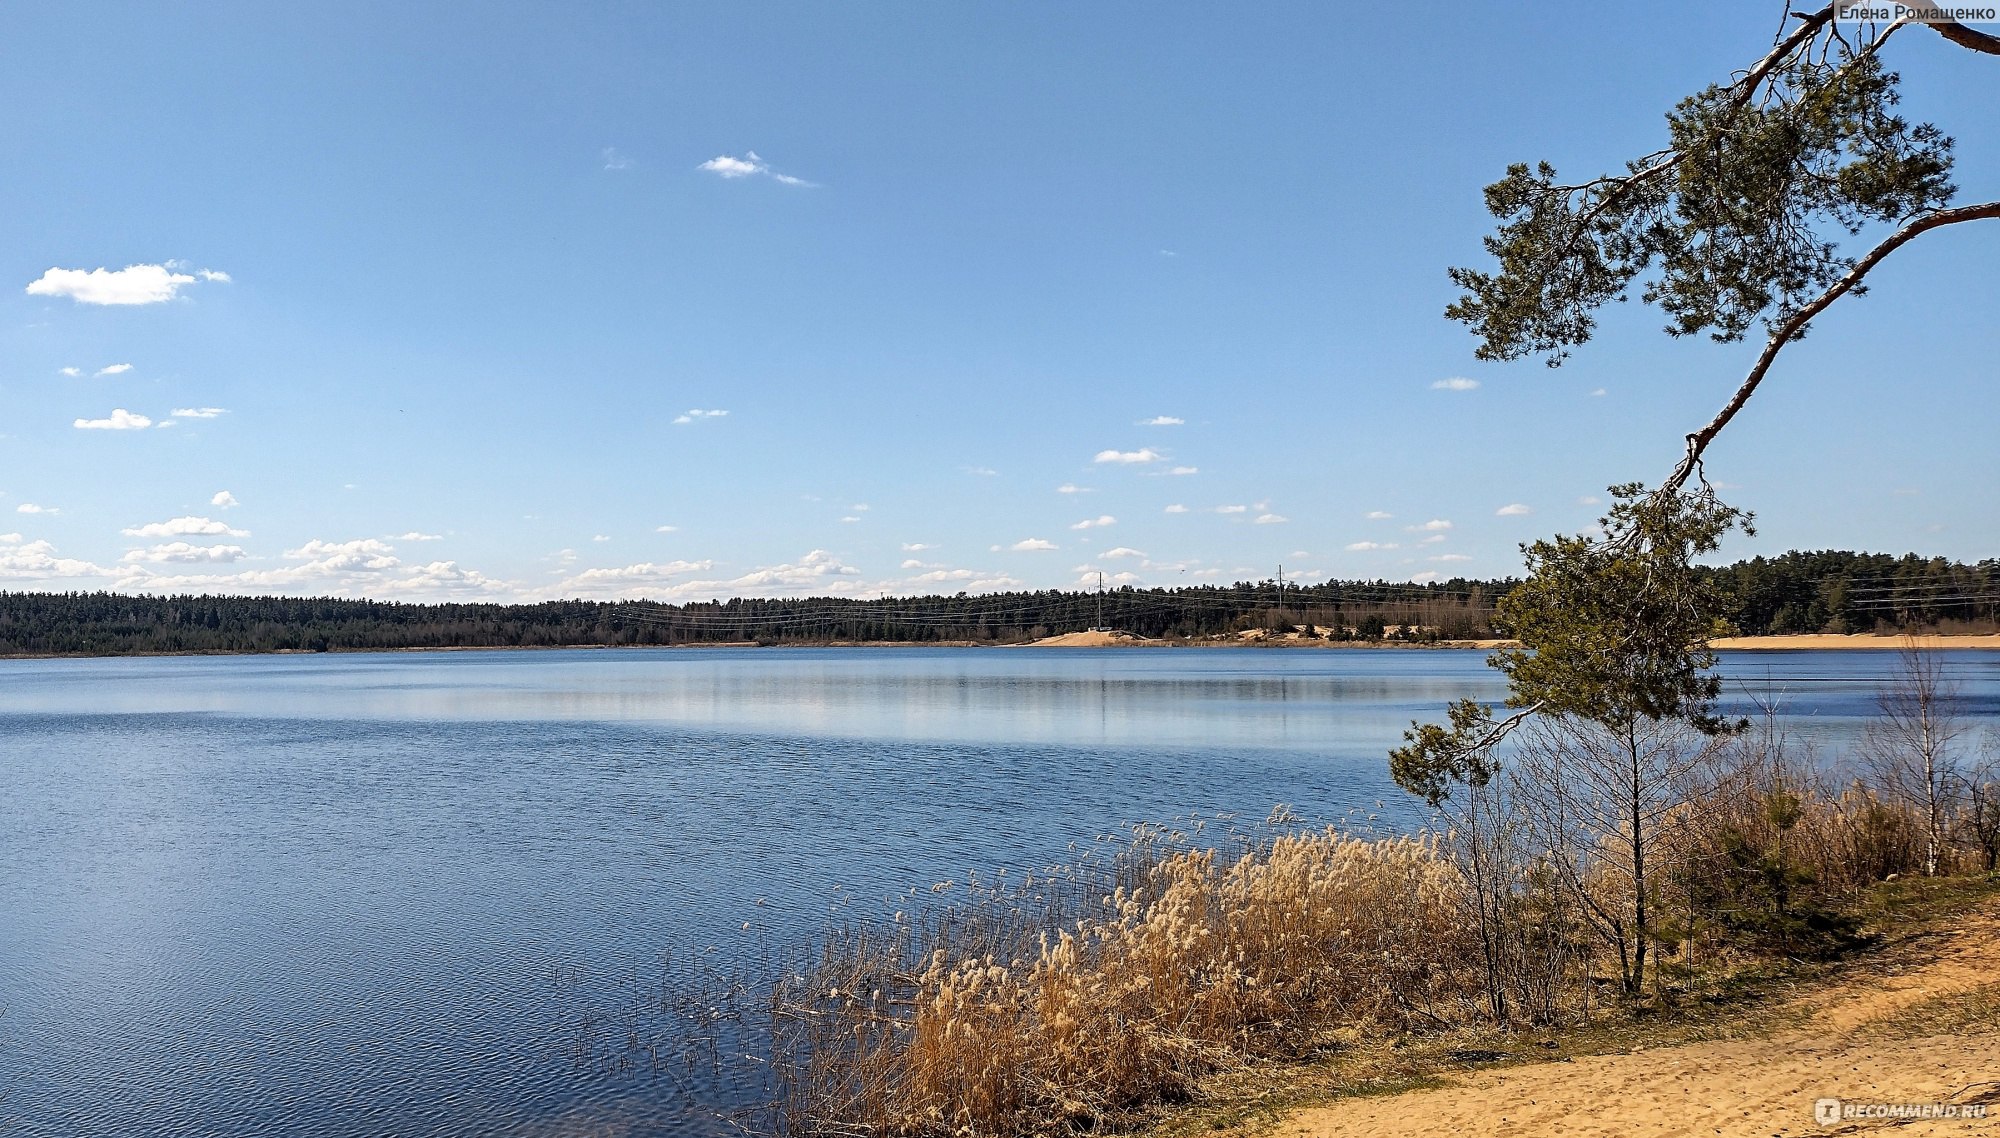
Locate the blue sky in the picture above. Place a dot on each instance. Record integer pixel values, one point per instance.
(449, 302)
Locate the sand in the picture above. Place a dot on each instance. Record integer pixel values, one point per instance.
(1092, 640)
(1855, 640)
(1854, 1041)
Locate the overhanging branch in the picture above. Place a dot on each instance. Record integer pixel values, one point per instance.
(1795, 326)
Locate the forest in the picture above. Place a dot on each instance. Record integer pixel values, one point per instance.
(1826, 591)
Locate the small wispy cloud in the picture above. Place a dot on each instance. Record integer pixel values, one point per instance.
(133, 284)
(183, 553)
(1162, 421)
(32, 508)
(1180, 471)
(119, 420)
(665, 529)
(1232, 509)
(1599, 391)
(1072, 488)
(750, 165)
(1032, 545)
(1378, 515)
(1096, 522)
(419, 535)
(696, 414)
(1269, 519)
(199, 412)
(600, 537)
(1514, 510)
(71, 372)
(1452, 557)
(224, 500)
(613, 160)
(114, 369)
(917, 546)
(1129, 457)
(1177, 508)
(982, 471)
(1365, 546)
(186, 527)
(1590, 500)
(1455, 383)
(1122, 551)
(1435, 525)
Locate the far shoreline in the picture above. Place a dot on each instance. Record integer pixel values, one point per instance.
(1796, 642)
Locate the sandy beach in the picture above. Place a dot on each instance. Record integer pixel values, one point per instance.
(1908, 1030)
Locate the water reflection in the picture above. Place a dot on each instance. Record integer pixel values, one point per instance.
(436, 893)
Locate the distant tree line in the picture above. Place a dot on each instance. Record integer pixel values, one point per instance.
(1798, 592)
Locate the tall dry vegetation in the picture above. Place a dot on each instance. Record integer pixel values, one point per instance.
(1206, 959)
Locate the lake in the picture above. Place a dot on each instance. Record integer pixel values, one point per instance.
(444, 893)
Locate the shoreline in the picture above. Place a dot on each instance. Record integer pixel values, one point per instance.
(1798, 642)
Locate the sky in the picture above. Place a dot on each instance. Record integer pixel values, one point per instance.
(681, 301)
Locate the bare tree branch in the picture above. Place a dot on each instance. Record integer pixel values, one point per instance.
(1794, 327)
(1967, 37)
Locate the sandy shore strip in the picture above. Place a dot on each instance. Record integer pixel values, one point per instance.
(1854, 640)
(1883, 1038)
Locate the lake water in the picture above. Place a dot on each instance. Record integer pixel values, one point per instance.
(440, 893)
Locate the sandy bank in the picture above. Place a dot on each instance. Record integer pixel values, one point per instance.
(1855, 640)
(1912, 1030)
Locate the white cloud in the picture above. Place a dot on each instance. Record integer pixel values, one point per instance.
(1177, 508)
(224, 500)
(1101, 520)
(697, 413)
(1122, 551)
(851, 518)
(913, 563)
(199, 412)
(982, 471)
(71, 372)
(1269, 519)
(1455, 383)
(1162, 421)
(216, 275)
(1031, 545)
(970, 580)
(418, 535)
(1599, 391)
(666, 529)
(1365, 546)
(1590, 500)
(183, 553)
(133, 284)
(1513, 510)
(1435, 525)
(1434, 539)
(1128, 457)
(1072, 488)
(600, 537)
(614, 160)
(1452, 557)
(1232, 509)
(1178, 470)
(37, 561)
(916, 546)
(1378, 515)
(818, 572)
(119, 420)
(1424, 578)
(750, 164)
(114, 369)
(186, 527)
(31, 508)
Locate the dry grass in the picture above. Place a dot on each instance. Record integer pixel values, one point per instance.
(1204, 961)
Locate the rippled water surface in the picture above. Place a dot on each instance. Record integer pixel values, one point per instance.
(439, 893)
